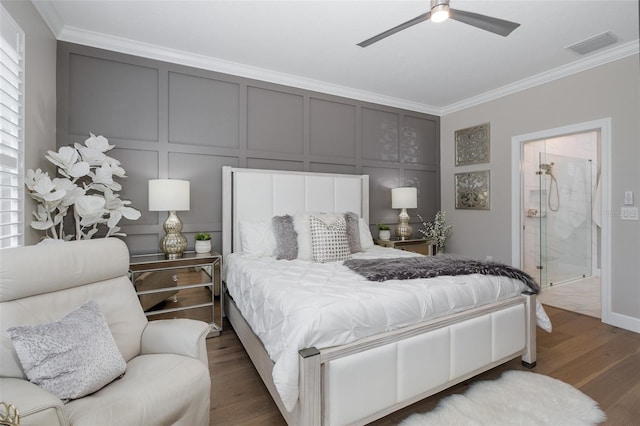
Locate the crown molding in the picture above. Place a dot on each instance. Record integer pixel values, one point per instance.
(150, 51)
(137, 48)
(609, 55)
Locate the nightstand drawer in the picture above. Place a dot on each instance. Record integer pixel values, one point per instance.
(176, 293)
(149, 284)
(416, 248)
(421, 246)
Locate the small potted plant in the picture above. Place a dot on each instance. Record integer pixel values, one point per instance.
(203, 242)
(384, 232)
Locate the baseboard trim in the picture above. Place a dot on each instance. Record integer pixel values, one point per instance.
(623, 321)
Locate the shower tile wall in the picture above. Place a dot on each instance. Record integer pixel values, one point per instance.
(579, 146)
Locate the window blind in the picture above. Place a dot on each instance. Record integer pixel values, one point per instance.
(11, 132)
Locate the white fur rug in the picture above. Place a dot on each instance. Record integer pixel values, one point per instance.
(516, 398)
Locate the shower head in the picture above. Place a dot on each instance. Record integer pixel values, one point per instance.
(547, 168)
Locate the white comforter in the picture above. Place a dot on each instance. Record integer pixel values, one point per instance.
(291, 305)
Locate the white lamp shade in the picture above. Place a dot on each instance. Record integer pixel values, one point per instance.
(404, 198)
(168, 194)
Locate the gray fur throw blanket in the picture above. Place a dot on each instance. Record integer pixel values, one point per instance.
(407, 268)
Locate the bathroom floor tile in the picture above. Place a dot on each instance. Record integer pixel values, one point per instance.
(582, 296)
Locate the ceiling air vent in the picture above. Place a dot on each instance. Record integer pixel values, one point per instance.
(593, 43)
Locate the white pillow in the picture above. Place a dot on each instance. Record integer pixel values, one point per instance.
(366, 240)
(257, 238)
(329, 240)
(303, 231)
(71, 357)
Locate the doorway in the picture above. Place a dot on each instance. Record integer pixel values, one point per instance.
(559, 235)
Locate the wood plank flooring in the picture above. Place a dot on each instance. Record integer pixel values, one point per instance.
(600, 360)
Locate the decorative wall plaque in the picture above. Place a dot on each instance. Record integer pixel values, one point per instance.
(472, 190)
(472, 145)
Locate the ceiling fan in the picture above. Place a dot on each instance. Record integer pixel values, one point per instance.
(440, 11)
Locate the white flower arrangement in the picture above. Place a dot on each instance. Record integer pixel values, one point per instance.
(86, 187)
(436, 231)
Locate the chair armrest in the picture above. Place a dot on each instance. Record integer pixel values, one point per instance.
(35, 405)
(179, 336)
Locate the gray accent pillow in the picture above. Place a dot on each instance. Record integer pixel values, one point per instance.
(353, 232)
(286, 237)
(71, 357)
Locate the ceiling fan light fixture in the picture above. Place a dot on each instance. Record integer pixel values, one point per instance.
(440, 13)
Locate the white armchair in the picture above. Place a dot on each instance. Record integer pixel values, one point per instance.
(167, 376)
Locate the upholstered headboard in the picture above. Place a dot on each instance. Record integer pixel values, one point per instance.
(252, 195)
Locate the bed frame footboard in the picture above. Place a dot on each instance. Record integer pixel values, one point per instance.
(401, 367)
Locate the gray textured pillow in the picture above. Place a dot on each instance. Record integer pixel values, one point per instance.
(71, 357)
(286, 237)
(353, 232)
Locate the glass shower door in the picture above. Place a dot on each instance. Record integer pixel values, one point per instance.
(541, 258)
(565, 219)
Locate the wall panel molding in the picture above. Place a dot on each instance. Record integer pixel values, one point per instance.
(189, 122)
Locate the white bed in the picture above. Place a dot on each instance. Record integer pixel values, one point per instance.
(408, 339)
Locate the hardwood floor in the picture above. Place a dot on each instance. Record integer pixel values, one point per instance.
(600, 360)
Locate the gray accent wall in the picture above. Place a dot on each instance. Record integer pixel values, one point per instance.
(173, 121)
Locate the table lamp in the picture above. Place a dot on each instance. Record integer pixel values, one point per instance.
(170, 195)
(404, 198)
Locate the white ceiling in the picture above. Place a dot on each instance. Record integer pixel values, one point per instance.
(433, 68)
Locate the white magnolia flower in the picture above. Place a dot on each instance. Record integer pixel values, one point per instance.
(72, 190)
(91, 209)
(116, 170)
(99, 143)
(44, 189)
(65, 158)
(118, 209)
(90, 205)
(31, 177)
(79, 170)
(92, 156)
(103, 175)
(43, 219)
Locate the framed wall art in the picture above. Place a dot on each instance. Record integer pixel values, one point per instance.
(472, 190)
(472, 145)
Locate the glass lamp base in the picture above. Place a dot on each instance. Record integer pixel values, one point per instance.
(173, 243)
(403, 229)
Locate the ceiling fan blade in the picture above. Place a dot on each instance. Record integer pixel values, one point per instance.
(488, 23)
(394, 30)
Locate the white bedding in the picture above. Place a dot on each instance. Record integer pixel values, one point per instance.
(291, 305)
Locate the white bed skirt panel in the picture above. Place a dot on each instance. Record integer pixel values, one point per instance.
(363, 384)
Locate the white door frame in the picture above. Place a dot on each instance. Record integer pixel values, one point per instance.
(517, 155)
